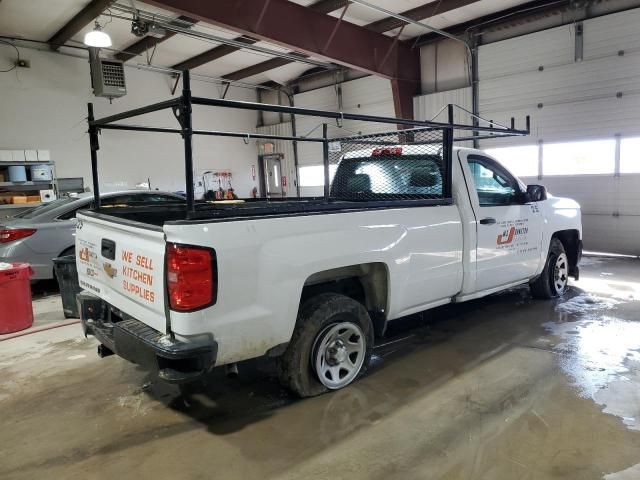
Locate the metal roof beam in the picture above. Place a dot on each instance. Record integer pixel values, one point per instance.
(420, 13)
(306, 32)
(213, 54)
(148, 42)
(524, 12)
(83, 18)
(322, 6)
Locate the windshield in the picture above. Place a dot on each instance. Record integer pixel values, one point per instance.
(44, 208)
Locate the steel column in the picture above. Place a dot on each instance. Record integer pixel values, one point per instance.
(475, 90)
(403, 92)
(95, 146)
(325, 162)
(187, 134)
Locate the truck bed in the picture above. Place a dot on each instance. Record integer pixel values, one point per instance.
(212, 211)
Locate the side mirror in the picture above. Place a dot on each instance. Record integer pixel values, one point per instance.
(536, 193)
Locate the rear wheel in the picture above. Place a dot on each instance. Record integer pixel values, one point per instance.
(330, 347)
(554, 280)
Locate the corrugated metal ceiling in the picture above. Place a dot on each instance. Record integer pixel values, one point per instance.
(40, 19)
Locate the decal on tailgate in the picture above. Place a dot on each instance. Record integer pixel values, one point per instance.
(138, 273)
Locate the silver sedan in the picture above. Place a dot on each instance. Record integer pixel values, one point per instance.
(43, 233)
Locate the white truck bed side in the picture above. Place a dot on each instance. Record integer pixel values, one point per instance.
(263, 264)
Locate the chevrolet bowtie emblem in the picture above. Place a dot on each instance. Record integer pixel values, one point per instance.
(112, 272)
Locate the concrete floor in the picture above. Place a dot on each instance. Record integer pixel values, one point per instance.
(500, 388)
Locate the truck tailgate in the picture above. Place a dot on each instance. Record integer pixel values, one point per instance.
(123, 263)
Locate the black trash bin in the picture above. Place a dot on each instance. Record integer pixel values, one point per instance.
(67, 275)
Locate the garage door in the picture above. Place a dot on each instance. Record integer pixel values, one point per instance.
(584, 102)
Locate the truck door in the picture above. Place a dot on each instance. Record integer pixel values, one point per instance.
(509, 230)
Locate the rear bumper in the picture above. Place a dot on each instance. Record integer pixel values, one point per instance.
(174, 361)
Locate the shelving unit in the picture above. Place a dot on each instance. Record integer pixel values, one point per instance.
(28, 187)
(26, 184)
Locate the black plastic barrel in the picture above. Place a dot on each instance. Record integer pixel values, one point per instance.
(67, 275)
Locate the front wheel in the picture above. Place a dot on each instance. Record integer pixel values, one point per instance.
(554, 279)
(330, 347)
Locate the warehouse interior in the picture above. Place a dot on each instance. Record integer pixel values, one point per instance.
(499, 386)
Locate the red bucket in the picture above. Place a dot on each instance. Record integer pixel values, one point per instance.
(16, 312)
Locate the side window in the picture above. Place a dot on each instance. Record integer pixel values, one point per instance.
(494, 185)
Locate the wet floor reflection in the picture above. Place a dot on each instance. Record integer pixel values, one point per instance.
(505, 387)
(595, 352)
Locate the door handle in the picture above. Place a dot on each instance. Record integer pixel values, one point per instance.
(487, 221)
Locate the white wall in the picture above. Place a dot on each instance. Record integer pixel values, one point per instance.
(368, 96)
(568, 99)
(45, 107)
(444, 65)
(433, 107)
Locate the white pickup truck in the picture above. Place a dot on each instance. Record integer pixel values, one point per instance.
(310, 285)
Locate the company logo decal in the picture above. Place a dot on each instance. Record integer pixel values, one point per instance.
(508, 235)
(84, 254)
(514, 237)
(109, 270)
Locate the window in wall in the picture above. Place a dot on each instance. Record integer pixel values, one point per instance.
(579, 158)
(313, 175)
(630, 155)
(521, 161)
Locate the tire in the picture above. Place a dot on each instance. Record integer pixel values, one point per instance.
(554, 279)
(330, 347)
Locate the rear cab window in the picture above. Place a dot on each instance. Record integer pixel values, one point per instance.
(386, 174)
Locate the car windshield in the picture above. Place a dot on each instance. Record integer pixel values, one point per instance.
(44, 208)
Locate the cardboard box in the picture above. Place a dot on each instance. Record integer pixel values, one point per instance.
(44, 155)
(19, 199)
(33, 199)
(31, 155)
(18, 155)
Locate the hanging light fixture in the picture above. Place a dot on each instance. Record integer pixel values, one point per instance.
(97, 38)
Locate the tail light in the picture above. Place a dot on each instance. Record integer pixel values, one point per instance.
(191, 277)
(13, 234)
